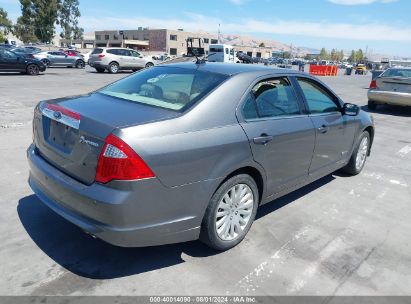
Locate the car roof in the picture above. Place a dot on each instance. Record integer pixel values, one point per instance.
(230, 69)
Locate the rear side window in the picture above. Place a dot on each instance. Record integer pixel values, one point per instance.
(401, 73)
(171, 88)
(97, 51)
(271, 98)
(318, 99)
(113, 52)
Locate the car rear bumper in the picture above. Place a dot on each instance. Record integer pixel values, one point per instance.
(127, 214)
(386, 97)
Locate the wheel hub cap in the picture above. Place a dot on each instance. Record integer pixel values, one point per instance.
(234, 212)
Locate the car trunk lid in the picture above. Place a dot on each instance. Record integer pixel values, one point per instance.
(394, 84)
(70, 133)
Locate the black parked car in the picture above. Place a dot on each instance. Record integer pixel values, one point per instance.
(244, 58)
(13, 62)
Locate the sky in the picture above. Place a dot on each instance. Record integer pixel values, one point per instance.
(382, 26)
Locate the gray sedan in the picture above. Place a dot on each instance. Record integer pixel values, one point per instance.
(393, 87)
(58, 58)
(190, 151)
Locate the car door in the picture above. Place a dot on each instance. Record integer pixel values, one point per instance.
(281, 136)
(334, 131)
(12, 62)
(137, 60)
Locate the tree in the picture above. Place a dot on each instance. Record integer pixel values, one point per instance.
(40, 17)
(324, 54)
(353, 57)
(68, 15)
(5, 24)
(24, 30)
(359, 55)
(262, 45)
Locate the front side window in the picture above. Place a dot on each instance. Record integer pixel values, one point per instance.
(171, 88)
(135, 54)
(271, 98)
(318, 99)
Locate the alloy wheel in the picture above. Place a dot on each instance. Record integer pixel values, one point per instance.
(362, 153)
(234, 212)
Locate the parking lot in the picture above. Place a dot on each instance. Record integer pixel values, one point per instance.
(339, 236)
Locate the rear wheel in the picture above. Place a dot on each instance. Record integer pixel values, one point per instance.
(113, 68)
(372, 105)
(149, 65)
(230, 213)
(32, 69)
(100, 70)
(359, 155)
(80, 64)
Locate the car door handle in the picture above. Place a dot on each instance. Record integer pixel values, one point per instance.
(323, 129)
(263, 139)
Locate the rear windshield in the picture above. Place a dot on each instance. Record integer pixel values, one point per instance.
(171, 88)
(403, 73)
(97, 51)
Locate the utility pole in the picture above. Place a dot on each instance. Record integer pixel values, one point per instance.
(219, 33)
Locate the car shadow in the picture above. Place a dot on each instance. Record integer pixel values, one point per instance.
(293, 196)
(19, 74)
(389, 110)
(92, 258)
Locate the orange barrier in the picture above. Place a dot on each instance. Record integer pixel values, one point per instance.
(323, 70)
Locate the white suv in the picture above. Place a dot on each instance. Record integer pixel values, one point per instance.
(116, 59)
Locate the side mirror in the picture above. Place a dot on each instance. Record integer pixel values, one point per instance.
(351, 109)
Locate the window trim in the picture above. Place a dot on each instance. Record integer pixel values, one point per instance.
(240, 113)
(337, 101)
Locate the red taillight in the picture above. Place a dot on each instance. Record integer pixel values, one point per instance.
(101, 56)
(118, 161)
(373, 84)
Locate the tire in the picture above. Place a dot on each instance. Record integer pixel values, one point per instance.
(372, 105)
(355, 166)
(222, 238)
(113, 68)
(80, 64)
(100, 70)
(46, 62)
(32, 69)
(149, 65)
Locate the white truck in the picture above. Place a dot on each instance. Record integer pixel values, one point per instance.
(222, 53)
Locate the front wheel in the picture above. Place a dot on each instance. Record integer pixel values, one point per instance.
(149, 65)
(230, 213)
(113, 68)
(32, 70)
(46, 62)
(359, 155)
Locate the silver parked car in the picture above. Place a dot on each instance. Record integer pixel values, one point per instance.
(115, 59)
(59, 58)
(392, 87)
(186, 151)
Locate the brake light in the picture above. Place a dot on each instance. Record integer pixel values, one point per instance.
(101, 56)
(117, 161)
(373, 84)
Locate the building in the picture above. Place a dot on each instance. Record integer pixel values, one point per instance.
(173, 42)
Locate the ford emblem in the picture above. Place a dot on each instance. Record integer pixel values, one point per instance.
(57, 115)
